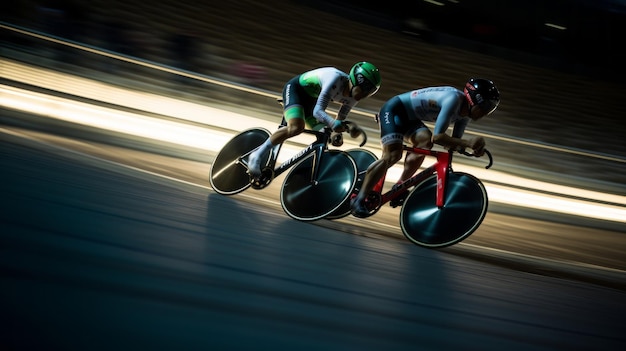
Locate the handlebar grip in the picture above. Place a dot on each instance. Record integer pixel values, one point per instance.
(364, 141)
(487, 152)
(355, 131)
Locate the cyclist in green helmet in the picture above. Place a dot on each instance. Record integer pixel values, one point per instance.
(306, 97)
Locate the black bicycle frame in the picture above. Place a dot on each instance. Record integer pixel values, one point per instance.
(318, 146)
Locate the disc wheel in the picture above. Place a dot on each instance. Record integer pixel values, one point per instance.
(307, 199)
(465, 206)
(228, 174)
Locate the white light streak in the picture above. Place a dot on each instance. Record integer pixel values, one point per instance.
(204, 136)
(434, 2)
(555, 26)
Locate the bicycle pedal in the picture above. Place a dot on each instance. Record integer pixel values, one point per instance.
(262, 180)
(395, 204)
(399, 201)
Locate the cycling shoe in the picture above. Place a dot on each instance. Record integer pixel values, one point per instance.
(398, 201)
(254, 163)
(358, 209)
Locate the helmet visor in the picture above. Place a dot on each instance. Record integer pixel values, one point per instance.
(488, 106)
(367, 88)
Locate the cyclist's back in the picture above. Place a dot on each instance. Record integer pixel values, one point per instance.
(323, 85)
(434, 104)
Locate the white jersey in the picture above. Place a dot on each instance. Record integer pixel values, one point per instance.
(437, 104)
(327, 84)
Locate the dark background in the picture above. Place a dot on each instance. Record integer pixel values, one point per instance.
(593, 36)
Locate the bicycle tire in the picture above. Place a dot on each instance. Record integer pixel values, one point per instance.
(304, 200)
(228, 176)
(465, 207)
(362, 158)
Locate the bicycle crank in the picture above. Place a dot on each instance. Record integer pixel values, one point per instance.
(263, 180)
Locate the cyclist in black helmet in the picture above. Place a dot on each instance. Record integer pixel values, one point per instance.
(306, 97)
(401, 120)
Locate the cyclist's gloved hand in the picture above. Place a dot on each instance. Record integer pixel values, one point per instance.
(354, 130)
(478, 145)
(337, 126)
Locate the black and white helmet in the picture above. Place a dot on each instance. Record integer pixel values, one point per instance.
(482, 93)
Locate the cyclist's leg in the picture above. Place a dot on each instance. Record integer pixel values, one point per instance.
(392, 153)
(418, 136)
(363, 159)
(463, 211)
(391, 136)
(295, 126)
(293, 114)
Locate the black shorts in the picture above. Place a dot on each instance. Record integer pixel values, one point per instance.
(297, 103)
(395, 125)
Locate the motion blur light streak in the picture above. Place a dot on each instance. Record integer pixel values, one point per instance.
(556, 204)
(113, 120)
(188, 111)
(98, 91)
(207, 139)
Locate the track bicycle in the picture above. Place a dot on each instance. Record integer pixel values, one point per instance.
(320, 179)
(443, 208)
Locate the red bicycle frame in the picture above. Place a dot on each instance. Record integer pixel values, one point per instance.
(440, 167)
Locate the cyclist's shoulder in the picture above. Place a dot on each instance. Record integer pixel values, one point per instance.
(436, 93)
(442, 90)
(325, 72)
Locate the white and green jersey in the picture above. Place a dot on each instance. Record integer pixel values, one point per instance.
(327, 84)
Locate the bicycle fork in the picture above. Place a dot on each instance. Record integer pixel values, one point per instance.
(315, 169)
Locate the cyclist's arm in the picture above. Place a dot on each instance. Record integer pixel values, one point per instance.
(343, 112)
(477, 144)
(449, 106)
(449, 142)
(319, 111)
(459, 127)
(455, 141)
(326, 95)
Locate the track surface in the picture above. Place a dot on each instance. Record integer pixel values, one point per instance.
(97, 255)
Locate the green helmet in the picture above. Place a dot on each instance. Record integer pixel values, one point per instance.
(366, 76)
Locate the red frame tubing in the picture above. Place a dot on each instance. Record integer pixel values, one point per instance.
(443, 163)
